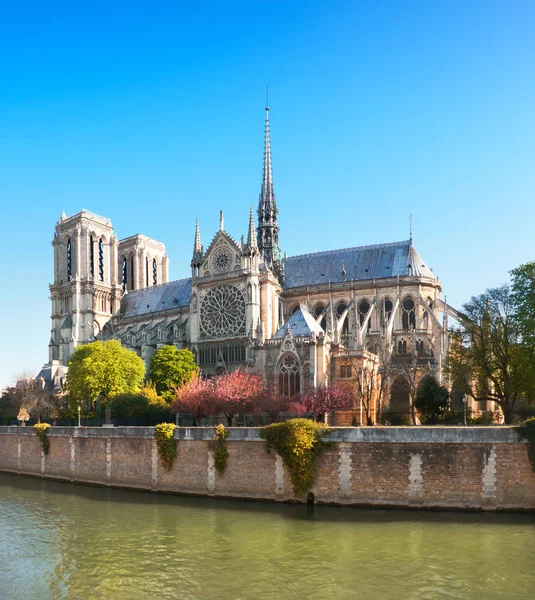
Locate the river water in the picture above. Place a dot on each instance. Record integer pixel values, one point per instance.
(59, 540)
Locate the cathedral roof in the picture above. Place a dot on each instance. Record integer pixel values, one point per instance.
(352, 264)
(300, 324)
(165, 296)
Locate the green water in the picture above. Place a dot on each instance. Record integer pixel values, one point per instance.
(59, 540)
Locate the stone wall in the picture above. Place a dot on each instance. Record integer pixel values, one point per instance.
(428, 467)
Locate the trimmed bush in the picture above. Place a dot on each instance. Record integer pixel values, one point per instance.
(219, 447)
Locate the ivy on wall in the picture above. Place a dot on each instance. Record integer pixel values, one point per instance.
(526, 431)
(219, 447)
(164, 433)
(298, 442)
(41, 432)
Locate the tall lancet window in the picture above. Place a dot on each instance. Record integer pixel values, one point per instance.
(408, 317)
(124, 275)
(132, 286)
(154, 272)
(69, 259)
(146, 271)
(289, 380)
(101, 260)
(92, 257)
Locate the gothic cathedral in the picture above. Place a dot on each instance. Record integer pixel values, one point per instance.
(301, 320)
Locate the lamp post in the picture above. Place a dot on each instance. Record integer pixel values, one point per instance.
(79, 417)
(465, 400)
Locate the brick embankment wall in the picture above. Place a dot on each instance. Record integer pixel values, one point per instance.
(476, 468)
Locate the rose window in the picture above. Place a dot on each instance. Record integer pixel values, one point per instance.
(221, 261)
(223, 312)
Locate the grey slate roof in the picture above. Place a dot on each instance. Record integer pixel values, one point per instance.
(364, 262)
(301, 324)
(165, 296)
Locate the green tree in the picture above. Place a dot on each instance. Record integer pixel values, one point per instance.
(431, 401)
(99, 371)
(170, 368)
(487, 359)
(144, 404)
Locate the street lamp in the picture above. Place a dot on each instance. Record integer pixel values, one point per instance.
(79, 420)
(465, 401)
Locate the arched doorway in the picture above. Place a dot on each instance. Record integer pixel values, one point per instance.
(399, 406)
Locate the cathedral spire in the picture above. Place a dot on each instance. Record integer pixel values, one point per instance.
(251, 233)
(268, 227)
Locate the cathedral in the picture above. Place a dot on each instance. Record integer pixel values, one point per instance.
(356, 314)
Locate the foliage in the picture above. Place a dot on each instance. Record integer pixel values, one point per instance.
(164, 433)
(270, 401)
(219, 447)
(236, 392)
(101, 371)
(298, 442)
(526, 431)
(170, 368)
(41, 431)
(23, 415)
(487, 359)
(144, 404)
(9, 404)
(194, 397)
(31, 393)
(431, 401)
(229, 393)
(322, 400)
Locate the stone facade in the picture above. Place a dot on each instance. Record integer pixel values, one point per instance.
(469, 468)
(369, 314)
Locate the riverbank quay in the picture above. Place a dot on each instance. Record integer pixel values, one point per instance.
(461, 468)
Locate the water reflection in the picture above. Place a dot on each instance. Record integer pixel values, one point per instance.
(59, 540)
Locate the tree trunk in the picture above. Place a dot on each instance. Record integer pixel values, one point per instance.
(507, 415)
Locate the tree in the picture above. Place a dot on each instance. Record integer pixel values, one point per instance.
(99, 371)
(31, 393)
(487, 359)
(9, 404)
(235, 393)
(196, 397)
(431, 400)
(270, 401)
(144, 404)
(170, 368)
(321, 400)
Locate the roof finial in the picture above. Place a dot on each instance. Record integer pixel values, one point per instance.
(410, 228)
(221, 221)
(251, 232)
(63, 216)
(197, 248)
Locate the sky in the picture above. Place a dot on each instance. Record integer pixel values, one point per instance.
(152, 114)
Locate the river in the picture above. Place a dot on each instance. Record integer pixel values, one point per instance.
(60, 540)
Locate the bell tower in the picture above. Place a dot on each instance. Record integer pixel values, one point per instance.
(85, 292)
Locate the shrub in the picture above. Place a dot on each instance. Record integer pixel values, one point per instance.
(41, 432)
(526, 431)
(219, 447)
(164, 433)
(298, 442)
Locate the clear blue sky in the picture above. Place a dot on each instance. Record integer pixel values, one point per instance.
(152, 114)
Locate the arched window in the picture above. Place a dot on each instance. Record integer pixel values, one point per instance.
(320, 310)
(420, 346)
(124, 275)
(289, 381)
(402, 347)
(426, 319)
(132, 276)
(146, 271)
(101, 260)
(340, 310)
(408, 317)
(364, 308)
(92, 257)
(69, 259)
(154, 272)
(388, 307)
(295, 309)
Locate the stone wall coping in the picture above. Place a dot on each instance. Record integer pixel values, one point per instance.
(420, 434)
